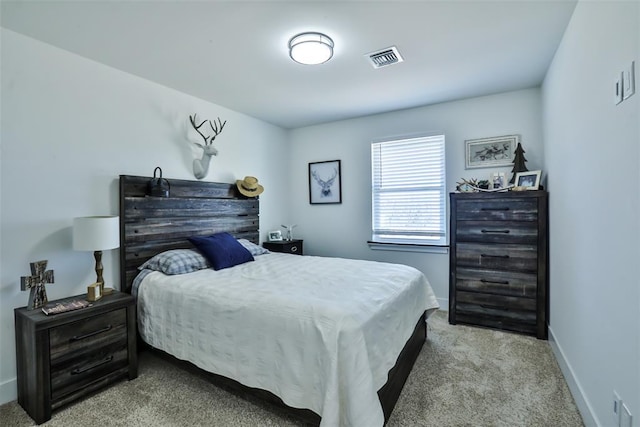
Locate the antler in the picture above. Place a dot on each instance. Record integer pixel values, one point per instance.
(329, 181)
(335, 174)
(214, 127)
(197, 128)
(317, 178)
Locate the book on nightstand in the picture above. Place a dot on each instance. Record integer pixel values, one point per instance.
(63, 307)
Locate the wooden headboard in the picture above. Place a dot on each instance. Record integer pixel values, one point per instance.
(150, 225)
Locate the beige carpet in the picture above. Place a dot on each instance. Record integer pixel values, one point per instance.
(464, 376)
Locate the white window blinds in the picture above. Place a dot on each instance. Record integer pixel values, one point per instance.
(408, 191)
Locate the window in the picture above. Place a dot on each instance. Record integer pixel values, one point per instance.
(408, 191)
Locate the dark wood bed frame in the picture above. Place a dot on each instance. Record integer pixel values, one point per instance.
(150, 225)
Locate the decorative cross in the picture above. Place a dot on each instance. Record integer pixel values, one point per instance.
(39, 277)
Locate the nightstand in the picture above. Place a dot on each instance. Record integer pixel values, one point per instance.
(63, 357)
(285, 246)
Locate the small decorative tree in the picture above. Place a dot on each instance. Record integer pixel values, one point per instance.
(518, 163)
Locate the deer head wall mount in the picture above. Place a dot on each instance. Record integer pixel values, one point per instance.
(201, 165)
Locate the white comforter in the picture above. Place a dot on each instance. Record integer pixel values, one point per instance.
(320, 333)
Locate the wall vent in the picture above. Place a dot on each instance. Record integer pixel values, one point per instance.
(384, 57)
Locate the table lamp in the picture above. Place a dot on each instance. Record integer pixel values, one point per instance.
(97, 233)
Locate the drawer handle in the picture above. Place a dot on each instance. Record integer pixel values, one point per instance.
(494, 256)
(90, 334)
(496, 231)
(294, 249)
(494, 209)
(493, 307)
(84, 369)
(499, 282)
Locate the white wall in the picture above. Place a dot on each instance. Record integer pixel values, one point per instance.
(70, 127)
(343, 229)
(593, 162)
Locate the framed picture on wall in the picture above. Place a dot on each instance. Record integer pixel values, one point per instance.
(490, 152)
(325, 183)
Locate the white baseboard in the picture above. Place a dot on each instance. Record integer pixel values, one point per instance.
(444, 304)
(8, 391)
(582, 402)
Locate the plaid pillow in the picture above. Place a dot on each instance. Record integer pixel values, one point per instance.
(253, 248)
(177, 261)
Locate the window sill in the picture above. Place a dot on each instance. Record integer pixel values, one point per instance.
(407, 247)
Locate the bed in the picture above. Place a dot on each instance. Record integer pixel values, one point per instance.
(309, 340)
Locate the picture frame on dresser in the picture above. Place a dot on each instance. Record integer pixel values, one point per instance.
(529, 180)
(498, 180)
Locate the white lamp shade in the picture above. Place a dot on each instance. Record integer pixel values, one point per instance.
(311, 48)
(96, 233)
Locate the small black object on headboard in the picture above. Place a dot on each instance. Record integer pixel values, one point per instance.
(158, 187)
(150, 225)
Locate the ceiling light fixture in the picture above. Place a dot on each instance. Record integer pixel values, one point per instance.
(311, 48)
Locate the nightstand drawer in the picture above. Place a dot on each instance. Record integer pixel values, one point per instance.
(285, 246)
(85, 336)
(293, 248)
(77, 373)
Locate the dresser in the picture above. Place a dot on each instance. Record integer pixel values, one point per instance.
(63, 357)
(499, 261)
(285, 246)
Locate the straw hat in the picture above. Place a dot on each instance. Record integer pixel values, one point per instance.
(249, 186)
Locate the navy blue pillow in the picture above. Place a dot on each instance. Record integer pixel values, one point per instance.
(222, 250)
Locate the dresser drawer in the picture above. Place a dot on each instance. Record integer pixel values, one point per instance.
(515, 320)
(497, 232)
(497, 256)
(509, 283)
(496, 209)
(84, 336)
(500, 302)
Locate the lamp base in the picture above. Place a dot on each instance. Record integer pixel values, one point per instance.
(107, 291)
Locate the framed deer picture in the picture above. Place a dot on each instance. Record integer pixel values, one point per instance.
(325, 183)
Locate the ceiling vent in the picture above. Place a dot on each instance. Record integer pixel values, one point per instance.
(384, 57)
